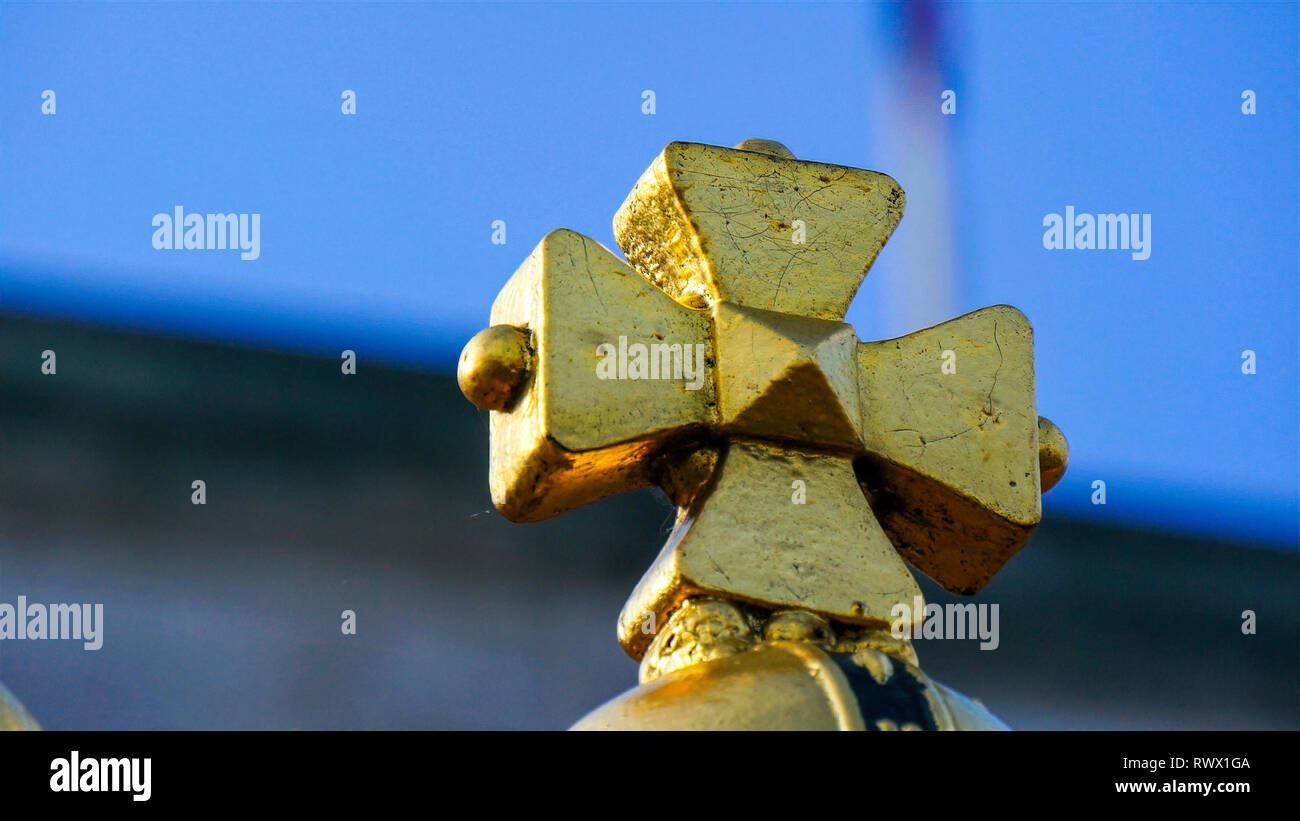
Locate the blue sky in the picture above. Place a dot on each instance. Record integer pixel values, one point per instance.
(376, 227)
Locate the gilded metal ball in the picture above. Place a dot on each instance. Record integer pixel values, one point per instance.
(494, 366)
(762, 146)
(1053, 453)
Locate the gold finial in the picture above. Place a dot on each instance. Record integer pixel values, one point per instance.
(806, 464)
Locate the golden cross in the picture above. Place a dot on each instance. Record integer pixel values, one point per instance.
(717, 366)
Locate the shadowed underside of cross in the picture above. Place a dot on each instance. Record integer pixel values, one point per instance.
(806, 464)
